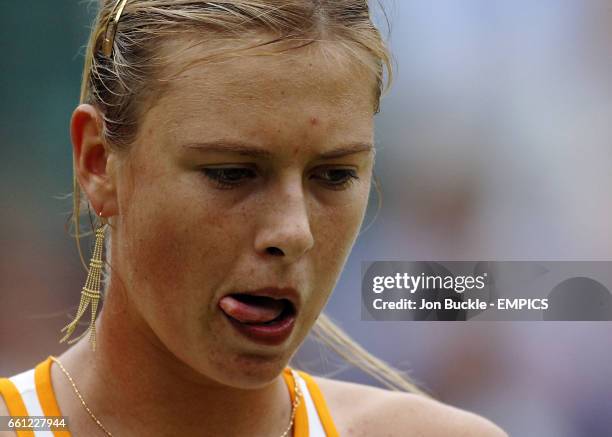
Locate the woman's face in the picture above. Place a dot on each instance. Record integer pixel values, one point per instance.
(182, 240)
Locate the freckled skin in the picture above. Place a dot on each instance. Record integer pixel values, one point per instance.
(180, 243)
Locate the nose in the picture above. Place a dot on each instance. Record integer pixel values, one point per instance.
(285, 229)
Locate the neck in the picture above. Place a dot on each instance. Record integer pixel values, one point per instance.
(135, 386)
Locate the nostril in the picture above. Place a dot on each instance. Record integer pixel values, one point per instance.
(274, 251)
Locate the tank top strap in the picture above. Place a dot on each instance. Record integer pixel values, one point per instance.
(30, 393)
(46, 394)
(14, 402)
(314, 417)
(300, 421)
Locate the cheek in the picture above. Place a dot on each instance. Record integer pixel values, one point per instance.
(336, 233)
(171, 247)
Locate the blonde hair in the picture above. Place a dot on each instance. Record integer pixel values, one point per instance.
(115, 86)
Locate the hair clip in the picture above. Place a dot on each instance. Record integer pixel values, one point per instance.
(111, 28)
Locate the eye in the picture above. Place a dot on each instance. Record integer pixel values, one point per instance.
(232, 177)
(228, 177)
(339, 178)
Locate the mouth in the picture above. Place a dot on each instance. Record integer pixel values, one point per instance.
(263, 319)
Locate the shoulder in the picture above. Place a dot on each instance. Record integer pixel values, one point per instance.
(362, 410)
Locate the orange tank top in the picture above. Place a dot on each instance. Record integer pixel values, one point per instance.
(30, 393)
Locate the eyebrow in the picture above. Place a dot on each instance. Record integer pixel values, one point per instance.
(244, 149)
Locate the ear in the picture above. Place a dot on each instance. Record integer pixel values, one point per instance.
(93, 161)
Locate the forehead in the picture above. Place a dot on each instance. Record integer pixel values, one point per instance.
(214, 86)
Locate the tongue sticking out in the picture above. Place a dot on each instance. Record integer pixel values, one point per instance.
(252, 309)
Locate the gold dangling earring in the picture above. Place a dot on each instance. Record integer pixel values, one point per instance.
(90, 294)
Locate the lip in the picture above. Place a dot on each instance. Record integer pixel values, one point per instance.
(288, 293)
(267, 335)
(270, 335)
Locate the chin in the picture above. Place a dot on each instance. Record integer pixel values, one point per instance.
(249, 372)
(246, 369)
